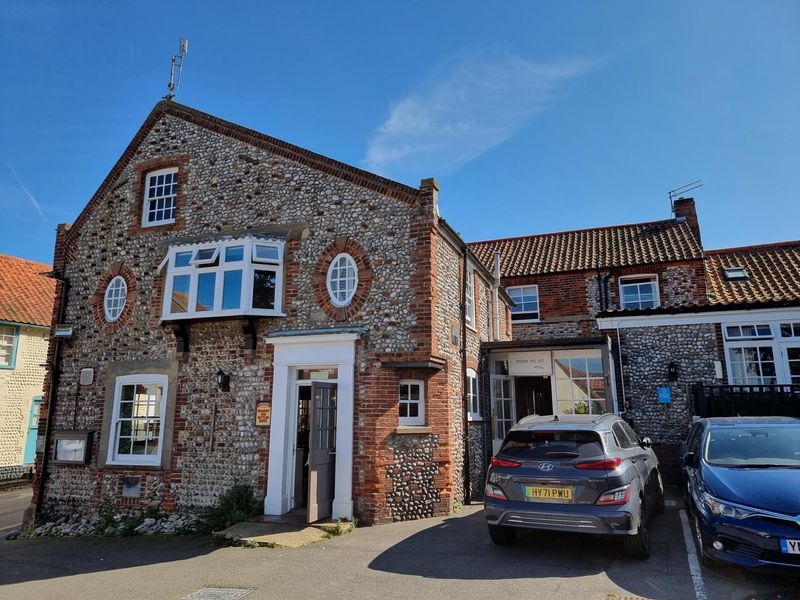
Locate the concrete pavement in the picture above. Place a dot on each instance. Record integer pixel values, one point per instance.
(433, 558)
(12, 504)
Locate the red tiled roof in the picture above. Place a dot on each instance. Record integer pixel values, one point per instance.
(773, 269)
(584, 249)
(26, 296)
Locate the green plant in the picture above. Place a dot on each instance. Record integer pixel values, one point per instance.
(457, 507)
(131, 523)
(105, 512)
(235, 505)
(341, 528)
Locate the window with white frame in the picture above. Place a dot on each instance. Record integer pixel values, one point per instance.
(342, 279)
(137, 432)
(469, 297)
(473, 398)
(412, 402)
(526, 303)
(160, 197)
(8, 342)
(754, 365)
(115, 298)
(748, 331)
(233, 277)
(790, 330)
(640, 291)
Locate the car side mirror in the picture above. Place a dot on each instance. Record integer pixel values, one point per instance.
(647, 442)
(690, 459)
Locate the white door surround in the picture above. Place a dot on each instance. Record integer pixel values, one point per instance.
(309, 350)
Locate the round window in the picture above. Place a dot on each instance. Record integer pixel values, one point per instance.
(115, 298)
(342, 279)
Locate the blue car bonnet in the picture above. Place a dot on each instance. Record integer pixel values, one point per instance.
(775, 489)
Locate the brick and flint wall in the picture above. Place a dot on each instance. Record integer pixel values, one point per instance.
(231, 184)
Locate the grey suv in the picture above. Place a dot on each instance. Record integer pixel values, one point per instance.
(581, 473)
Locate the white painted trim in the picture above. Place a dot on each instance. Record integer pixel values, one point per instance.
(420, 418)
(335, 349)
(538, 303)
(694, 318)
(352, 294)
(137, 459)
(145, 199)
(652, 276)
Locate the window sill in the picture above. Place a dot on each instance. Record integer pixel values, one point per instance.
(520, 321)
(476, 419)
(226, 315)
(413, 430)
(133, 467)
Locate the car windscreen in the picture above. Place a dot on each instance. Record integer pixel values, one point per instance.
(540, 445)
(754, 446)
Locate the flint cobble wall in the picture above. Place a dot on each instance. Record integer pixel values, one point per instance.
(229, 187)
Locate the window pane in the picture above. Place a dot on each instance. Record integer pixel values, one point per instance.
(232, 290)
(205, 291)
(182, 259)
(263, 289)
(180, 294)
(413, 410)
(234, 253)
(264, 252)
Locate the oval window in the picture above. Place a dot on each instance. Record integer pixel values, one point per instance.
(115, 298)
(342, 280)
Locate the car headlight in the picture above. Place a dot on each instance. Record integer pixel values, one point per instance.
(725, 509)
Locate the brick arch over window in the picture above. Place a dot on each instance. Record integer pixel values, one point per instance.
(142, 170)
(320, 278)
(98, 298)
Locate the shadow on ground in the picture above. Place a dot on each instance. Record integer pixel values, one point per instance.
(46, 558)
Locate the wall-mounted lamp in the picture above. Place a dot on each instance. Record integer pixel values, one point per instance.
(672, 372)
(223, 381)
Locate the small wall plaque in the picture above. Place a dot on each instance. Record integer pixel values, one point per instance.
(72, 447)
(263, 412)
(665, 395)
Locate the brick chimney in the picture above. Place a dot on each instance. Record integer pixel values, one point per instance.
(685, 210)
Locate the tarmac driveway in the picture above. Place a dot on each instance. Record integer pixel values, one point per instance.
(432, 558)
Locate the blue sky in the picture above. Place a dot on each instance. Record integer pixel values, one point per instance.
(534, 116)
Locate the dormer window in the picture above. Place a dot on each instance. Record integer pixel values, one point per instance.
(227, 278)
(736, 274)
(160, 197)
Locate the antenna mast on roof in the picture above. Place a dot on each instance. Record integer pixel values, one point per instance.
(177, 61)
(680, 191)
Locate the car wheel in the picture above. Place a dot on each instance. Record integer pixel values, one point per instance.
(638, 544)
(659, 506)
(502, 536)
(698, 538)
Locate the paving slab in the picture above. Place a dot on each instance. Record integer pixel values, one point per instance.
(271, 535)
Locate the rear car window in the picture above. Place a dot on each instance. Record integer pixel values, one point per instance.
(540, 445)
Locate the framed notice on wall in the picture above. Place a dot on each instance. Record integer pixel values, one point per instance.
(72, 447)
(530, 364)
(263, 411)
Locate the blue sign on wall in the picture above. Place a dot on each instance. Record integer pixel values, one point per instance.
(665, 395)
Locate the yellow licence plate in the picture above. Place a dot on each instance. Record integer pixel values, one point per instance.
(547, 493)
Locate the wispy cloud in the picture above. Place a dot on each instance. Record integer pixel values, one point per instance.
(25, 190)
(475, 104)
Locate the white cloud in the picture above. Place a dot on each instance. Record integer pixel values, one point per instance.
(474, 105)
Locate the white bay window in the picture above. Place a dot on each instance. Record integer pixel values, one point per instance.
(225, 278)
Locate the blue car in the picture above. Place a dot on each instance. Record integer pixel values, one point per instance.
(741, 479)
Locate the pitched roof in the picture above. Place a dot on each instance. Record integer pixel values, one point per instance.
(584, 249)
(26, 296)
(335, 168)
(773, 274)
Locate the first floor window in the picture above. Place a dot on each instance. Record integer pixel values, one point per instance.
(754, 365)
(639, 292)
(237, 277)
(412, 403)
(342, 279)
(526, 302)
(8, 338)
(115, 298)
(137, 420)
(469, 294)
(473, 401)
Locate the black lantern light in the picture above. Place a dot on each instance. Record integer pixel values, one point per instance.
(672, 372)
(223, 381)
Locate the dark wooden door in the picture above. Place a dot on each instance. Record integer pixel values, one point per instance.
(322, 452)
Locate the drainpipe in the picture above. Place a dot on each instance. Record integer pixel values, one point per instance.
(464, 399)
(621, 372)
(51, 395)
(496, 298)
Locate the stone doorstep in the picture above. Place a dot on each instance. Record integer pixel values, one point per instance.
(273, 535)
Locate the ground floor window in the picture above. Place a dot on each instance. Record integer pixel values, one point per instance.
(580, 384)
(412, 403)
(136, 424)
(754, 365)
(473, 400)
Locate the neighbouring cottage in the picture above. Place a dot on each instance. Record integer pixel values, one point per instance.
(638, 319)
(26, 300)
(237, 309)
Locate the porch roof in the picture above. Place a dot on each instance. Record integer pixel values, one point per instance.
(545, 343)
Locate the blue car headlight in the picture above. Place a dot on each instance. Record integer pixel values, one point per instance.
(725, 509)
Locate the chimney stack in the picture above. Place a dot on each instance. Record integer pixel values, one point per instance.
(685, 210)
